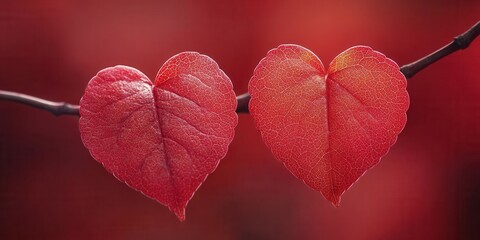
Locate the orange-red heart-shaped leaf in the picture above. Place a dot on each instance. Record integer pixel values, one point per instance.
(162, 139)
(328, 126)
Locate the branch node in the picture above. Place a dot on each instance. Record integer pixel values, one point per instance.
(461, 42)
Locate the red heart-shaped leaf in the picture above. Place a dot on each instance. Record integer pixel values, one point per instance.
(162, 139)
(328, 127)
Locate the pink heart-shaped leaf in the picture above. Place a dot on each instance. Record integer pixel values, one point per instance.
(162, 139)
(328, 126)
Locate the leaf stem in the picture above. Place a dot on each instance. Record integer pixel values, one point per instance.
(462, 41)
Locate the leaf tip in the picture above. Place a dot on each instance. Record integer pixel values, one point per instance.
(335, 201)
(180, 213)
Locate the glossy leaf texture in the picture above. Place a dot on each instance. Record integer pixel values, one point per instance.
(162, 139)
(328, 126)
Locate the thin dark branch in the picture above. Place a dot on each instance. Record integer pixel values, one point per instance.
(462, 41)
(242, 103)
(61, 108)
(56, 108)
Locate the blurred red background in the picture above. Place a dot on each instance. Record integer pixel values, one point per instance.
(427, 187)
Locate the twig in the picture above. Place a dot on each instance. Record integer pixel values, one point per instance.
(242, 103)
(61, 108)
(462, 41)
(56, 108)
